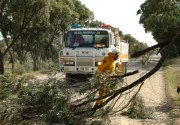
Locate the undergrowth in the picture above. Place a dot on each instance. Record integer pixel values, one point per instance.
(24, 100)
(138, 110)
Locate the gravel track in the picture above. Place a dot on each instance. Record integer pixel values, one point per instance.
(153, 94)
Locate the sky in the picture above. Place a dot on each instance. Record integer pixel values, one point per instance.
(120, 14)
(1, 36)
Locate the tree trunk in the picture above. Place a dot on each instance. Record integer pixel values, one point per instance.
(11, 61)
(1, 64)
(35, 64)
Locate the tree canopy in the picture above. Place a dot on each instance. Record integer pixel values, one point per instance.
(134, 45)
(35, 26)
(162, 19)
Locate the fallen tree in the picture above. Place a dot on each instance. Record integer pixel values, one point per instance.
(113, 94)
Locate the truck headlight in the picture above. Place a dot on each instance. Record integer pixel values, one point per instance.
(68, 63)
(97, 63)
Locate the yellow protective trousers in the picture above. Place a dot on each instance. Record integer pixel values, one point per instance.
(102, 92)
(107, 65)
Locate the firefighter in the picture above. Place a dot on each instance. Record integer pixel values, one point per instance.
(107, 66)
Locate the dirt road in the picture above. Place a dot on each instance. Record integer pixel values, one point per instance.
(153, 94)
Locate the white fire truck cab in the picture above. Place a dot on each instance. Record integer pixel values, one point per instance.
(84, 49)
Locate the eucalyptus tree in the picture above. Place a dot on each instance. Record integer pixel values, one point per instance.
(36, 37)
(134, 44)
(33, 26)
(95, 23)
(162, 19)
(44, 29)
(15, 17)
(84, 15)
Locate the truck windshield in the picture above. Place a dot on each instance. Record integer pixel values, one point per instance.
(87, 38)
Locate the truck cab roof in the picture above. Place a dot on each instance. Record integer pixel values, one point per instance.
(91, 29)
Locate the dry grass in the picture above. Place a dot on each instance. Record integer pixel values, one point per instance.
(172, 78)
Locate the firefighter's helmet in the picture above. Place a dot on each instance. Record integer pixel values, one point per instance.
(115, 52)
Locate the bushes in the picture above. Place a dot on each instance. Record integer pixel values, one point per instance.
(20, 100)
(27, 66)
(8, 86)
(19, 69)
(24, 101)
(137, 109)
(27, 101)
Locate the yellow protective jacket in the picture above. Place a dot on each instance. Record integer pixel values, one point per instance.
(107, 64)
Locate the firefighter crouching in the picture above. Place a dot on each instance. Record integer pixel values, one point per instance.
(107, 66)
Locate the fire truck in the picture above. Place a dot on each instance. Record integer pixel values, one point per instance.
(84, 49)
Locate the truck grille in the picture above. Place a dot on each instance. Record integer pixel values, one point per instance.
(84, 63)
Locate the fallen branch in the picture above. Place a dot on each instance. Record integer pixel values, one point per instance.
(115, 93)
(135, 83)
(142, 52)
(147, 75)
(111, 93)
(125, 75)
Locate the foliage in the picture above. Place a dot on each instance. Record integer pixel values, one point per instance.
(96, 81)
(134, 45)
(84, 14)
(137, 109)
(19, 69)
(23, 100)
(89, 93)
(37, 27)
(162, 18)
(95, 23)
(7, 86)
(50, 65)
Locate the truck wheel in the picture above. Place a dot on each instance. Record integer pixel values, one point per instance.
(83, 76)
(70, 78)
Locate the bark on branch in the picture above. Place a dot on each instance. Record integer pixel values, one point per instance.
(125, 75)
(159, 45)
(114, 94)
(135, 83)
(142, 52)
(147, 75)
(95, 99)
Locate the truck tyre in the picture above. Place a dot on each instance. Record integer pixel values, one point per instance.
(70, 78)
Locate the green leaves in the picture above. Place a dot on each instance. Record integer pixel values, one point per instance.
(138, 110)
(21, 100)
(34, 26)
(161, 18)
(134, 45)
